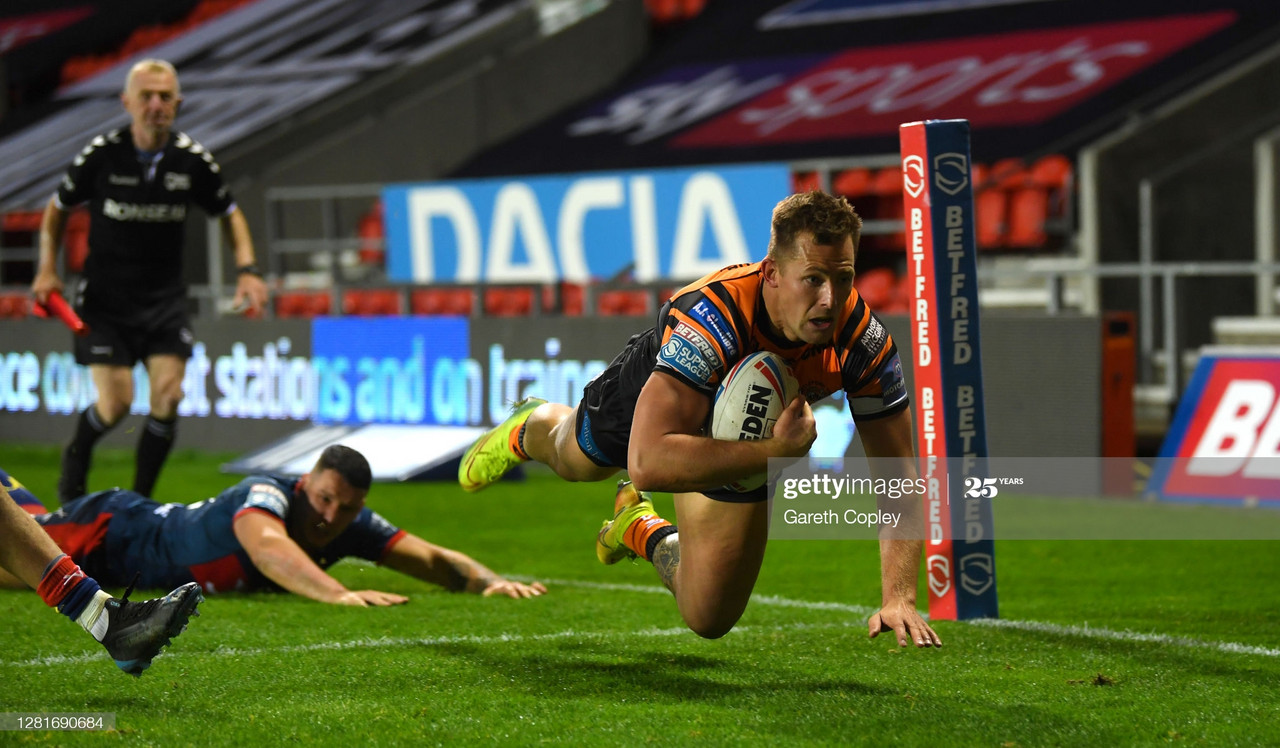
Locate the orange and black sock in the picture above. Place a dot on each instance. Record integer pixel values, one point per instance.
(516, 442)
(645, 533)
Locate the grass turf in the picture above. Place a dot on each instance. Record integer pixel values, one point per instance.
(603, 658)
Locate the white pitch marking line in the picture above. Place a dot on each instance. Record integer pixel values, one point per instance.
(774, 600)
(435, 641)
(1087, 632)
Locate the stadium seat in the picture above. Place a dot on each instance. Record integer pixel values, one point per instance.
(806, 181)
(451, 302)
(21, 221)
(508, 301)
(1052, 171)
(372, 233)
(1008, 173)
(623, 302)
(991, 205)
(566, 298)
(978, 172)
(371, 302)
(852, 183)
(75, 238)
(14, 305)
(876, 285)
(1028, 211)
(302, 304)
(886, 189)
(903, 295)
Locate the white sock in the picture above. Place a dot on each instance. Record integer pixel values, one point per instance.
(94, 617)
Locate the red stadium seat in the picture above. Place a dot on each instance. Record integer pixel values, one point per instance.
(978, 175)
(22, 221)
(14, 306)
(992, 207)
(1009, 173)
(1028, 211)
(903, 296)
(371, 302)
(303, 304)
(76, 239)
(1052, 172)
(372, 235)
(567, 298)
(450, 302)
(876, 286)
(886, 187)
(508, 301)
(623, 303)
(852, 183)
(806, 181)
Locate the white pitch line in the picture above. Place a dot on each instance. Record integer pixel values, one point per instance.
(435, 641)
(1086, 632)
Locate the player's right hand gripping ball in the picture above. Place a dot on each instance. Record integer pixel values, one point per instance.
(747, 405)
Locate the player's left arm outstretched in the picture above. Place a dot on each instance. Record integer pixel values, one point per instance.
(453, 570)
(887, 442)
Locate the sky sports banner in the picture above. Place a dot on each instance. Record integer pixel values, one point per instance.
(676, 224)
(1223, 446)
(950, 411)
(769, 80)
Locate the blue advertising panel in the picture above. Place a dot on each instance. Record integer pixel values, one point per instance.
(676, 224)
(380, 370)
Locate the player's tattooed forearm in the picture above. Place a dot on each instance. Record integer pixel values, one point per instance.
(666, 559)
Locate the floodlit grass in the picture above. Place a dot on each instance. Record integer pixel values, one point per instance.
(604, 659)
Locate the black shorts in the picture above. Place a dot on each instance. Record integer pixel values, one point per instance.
(117, 339)
(608, 408)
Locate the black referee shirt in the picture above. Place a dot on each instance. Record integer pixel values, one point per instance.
(137, 211)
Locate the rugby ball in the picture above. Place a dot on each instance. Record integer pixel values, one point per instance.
(747, 405)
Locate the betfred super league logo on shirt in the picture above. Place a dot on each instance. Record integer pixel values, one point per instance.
(1224, 442)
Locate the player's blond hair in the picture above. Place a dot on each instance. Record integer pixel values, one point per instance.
(830, 218)
(152, 65)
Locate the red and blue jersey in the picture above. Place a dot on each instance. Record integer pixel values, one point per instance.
(116, 534)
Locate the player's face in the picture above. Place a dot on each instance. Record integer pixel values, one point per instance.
(332, 504)
(806, 292)
(152, 101)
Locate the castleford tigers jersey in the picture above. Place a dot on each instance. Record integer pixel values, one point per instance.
(715, 322)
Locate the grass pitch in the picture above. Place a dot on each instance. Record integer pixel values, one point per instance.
(1099, 643)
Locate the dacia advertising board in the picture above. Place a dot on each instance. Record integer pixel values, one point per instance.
(672, 224)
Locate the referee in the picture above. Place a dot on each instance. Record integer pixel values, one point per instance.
(139, 182)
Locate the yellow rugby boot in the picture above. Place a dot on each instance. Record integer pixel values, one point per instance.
(632, 510)
(496, 451)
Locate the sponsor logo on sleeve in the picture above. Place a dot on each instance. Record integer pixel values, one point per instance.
(873, 337)
(688, 333)
(269, 497)
(716, 324)
(892, 383)
(682, 356)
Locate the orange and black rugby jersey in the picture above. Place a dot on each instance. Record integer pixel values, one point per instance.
(711, 324)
